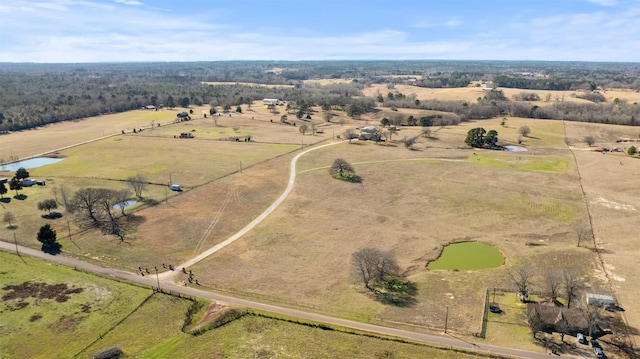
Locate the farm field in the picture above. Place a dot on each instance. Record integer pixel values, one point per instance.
(455, 200)
(411, 202)
(471, 93)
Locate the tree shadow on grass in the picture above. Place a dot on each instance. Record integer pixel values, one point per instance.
(52, 248)
(5, 200)
(20, 197)
(53, 215)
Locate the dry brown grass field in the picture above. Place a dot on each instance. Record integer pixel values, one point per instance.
(472, 93)
(411, 202)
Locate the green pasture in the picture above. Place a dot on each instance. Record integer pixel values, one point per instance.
(210, 128)
(521, 161)
(154, 332)
(60, 328)
(188, 162)
(468, 256)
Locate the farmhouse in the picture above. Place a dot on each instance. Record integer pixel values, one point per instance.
(559, 319)
(271, 101)
(369, 133)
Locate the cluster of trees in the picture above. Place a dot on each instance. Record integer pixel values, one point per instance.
(478, 137)
(380, 274)
(15, 184)
(341, 169)
(542, 84)
(99, 204)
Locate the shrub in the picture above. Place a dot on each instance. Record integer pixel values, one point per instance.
(109, 353)
(632, 151)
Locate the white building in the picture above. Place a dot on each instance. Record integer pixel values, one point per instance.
(271, 101)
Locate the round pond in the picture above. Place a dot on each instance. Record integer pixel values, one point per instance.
(468, 256)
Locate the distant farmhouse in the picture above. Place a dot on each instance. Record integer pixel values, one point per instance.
(369, 133)
(271, 101)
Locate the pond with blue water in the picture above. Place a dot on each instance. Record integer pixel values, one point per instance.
(30, 163)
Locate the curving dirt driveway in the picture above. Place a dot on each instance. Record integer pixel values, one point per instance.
(255, 222)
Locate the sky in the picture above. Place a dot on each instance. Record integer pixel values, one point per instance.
(77, 31)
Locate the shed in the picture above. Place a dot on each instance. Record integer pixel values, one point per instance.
(599, 300)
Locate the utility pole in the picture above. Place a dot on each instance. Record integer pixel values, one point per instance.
(16, 242)
(240, 166)
(446, 319)
(157, 277)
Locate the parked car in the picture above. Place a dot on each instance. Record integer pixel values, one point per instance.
(581, 339)
(599, 352)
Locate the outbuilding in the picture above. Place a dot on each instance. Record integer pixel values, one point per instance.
(175, 187)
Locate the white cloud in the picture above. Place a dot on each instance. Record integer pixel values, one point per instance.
(603, 2)
(129, 2)
(423, 24)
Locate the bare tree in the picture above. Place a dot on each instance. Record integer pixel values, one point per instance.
(66, 198)
(524, 131)
(138, 183)
(87, 199)
(373, 265)
(594, 318)
(349, 134)
(121, 198)
(107, 200)
(426, 132)
(590, 140)
(522, 277)
(390, 131)
(303, 129)
(553, 283)
(572, 283)
(536, 323)
(8, 218)
(583, 233)
(408, 141)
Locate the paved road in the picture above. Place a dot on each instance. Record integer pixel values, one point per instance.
(152, 281)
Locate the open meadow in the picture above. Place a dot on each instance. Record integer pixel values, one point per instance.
(411, 202)
(50, 311)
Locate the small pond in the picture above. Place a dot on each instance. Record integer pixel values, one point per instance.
(125, 204)
(30, 163)
(468, 256)
(516, 149)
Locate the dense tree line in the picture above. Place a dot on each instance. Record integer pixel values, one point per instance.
(33, 95)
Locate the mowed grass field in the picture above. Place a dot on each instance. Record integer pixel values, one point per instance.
(50, 322)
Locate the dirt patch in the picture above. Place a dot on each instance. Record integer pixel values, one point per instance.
(213, 311)
(67, 323)
(58, 292)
